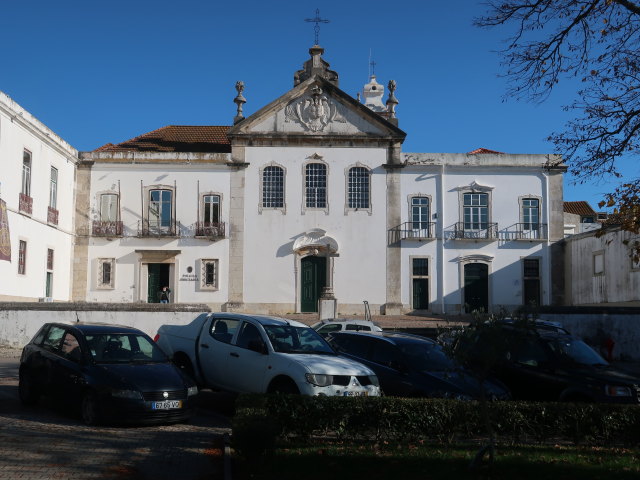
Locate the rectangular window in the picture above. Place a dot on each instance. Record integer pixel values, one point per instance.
(476, 211)
(209, 274)
(420, 283)
(53, 191)
(419, 213)
(316, 185)
(273, 187)
(598, 263)
(22, 257)
(531, 281)
(211, 209)
(108, 207)
(49, 259)
(26, 173)
(106, 273)
(531, 213)
(358, 192)
(160, 211)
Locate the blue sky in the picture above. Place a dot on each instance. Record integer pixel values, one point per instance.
(97, 72)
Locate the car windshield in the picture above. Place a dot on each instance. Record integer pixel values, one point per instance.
(576, 351)
(290, 339)
(426, 357)
(124, 348)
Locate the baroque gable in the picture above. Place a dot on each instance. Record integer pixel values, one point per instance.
(316, 108)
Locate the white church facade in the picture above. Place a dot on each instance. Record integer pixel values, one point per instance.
(310, 201)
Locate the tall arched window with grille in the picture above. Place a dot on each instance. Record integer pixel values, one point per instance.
(273, 187)
(359, 188)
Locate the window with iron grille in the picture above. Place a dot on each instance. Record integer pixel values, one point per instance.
(22, 257)
(53, 190)
(316, 185)
(419, 283)
(26, 173)
(209, 274)
(531, 281)
(49, 259)
(106, 272)
(359, 186)
(273, 187)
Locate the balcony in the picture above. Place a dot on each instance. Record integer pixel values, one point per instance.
(52, 216)
(418, 231)
(531, 231)
(475, 231)
(156, 229)
(210, 229)
(25, 204)
(106, 229)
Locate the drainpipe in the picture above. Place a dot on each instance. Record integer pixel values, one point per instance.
(547, 257)
(440, 241)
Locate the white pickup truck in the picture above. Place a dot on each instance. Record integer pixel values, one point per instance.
(253, 353)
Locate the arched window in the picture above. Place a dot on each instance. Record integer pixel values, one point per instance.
(315, 185)
(359, 186)
(273, 187)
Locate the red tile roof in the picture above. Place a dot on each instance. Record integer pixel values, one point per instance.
(176, 138)
(579, 208)
(483, 150)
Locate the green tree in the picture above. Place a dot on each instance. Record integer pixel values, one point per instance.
(598, 42)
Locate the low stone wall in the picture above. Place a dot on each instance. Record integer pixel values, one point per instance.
(19, 322)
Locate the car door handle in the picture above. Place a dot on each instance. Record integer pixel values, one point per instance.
(234, 354)
(204, 345)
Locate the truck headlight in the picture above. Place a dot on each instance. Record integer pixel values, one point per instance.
(319, 379)
(374, 380)
(617, 391)
(131, 394)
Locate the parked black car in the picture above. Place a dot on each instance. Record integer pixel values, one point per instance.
(412, 366)
(110, 372)
(549, 364)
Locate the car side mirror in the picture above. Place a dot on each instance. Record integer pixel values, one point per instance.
(258, 346)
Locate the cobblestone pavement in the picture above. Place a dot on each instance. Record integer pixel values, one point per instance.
(45, 442)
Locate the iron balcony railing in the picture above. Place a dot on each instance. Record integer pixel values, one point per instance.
(531, 231)
(476, 230)
(156, 229)
(210, 229)
(415, 230)
(25, 204)
(52, 216)
(106, 228)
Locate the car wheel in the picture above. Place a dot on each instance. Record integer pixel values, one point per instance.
(26, 389)
(284, 385)
(89, 408)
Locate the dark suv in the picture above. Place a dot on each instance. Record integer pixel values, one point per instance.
(412, 366)
(550, 364)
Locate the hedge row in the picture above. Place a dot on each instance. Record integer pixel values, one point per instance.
(402, 420)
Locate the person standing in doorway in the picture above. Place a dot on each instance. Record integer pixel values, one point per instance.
(164, 294)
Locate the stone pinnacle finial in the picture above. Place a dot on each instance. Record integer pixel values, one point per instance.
(392, 101)
(239, 101)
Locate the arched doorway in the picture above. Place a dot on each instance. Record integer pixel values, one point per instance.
(476, 287)
(313, 277)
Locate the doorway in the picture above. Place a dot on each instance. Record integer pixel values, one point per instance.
(476, 287)
(157, 277)
(313, 277)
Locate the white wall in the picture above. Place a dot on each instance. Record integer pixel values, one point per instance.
(19, 130)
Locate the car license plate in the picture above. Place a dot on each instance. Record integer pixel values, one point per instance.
(356, 394)
(167, 405)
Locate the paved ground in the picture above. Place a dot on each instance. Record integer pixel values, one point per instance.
(46, 442)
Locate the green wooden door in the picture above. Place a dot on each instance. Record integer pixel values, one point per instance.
(476, 287)
(313, 276)
(420, 294)
(158, 277)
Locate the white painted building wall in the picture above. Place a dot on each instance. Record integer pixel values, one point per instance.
(19, 130)
(129, 273)
(271, 268)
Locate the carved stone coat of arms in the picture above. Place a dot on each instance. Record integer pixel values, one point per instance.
(314, 112)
